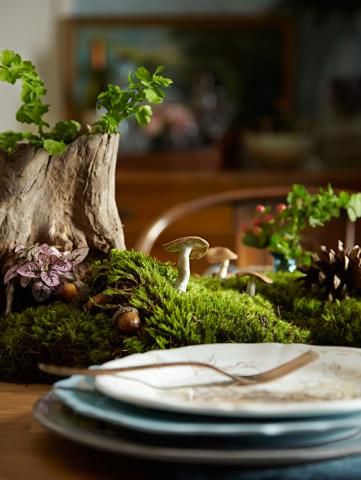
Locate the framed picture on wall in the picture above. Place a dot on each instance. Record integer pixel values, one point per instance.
(228, 73)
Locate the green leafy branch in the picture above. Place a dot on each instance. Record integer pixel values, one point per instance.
(280, 230)
(13, 68)
(119, 104)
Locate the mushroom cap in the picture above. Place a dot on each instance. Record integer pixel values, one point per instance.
(198, 244)
(260, 276)
(220, 254)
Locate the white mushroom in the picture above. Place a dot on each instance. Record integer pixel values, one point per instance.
(251, 285)
(187, 248)
(221, 255)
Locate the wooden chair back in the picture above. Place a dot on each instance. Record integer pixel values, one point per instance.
(239, 202)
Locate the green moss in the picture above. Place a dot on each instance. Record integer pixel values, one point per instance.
(212, 310)
(202, 316)
(60, 334)
(337, 323)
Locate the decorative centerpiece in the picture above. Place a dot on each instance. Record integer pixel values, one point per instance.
(58, 185)
(279, 229)
(72, 295)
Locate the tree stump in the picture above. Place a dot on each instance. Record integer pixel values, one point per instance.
(66, 200)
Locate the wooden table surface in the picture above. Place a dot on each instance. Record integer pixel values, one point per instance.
(28, 451)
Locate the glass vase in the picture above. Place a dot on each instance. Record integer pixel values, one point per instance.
(283, 264)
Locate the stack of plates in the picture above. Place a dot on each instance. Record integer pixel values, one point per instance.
(167, 414)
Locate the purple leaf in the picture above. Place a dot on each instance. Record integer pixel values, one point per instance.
(78, 255)
(48, 250)
(24, 281)
(42, 260)
(11, 273)
(19, 249)
(52, 259)
(29, 269)
(62, 267)
(40, 291)
(55, 251)
(50, 278)
(44, 248)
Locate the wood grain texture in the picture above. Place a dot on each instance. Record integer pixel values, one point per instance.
(29, 452)
(66, 200)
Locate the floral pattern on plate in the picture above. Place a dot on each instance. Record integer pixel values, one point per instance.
(329, 385)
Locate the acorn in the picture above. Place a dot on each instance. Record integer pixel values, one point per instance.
(68, 291)
(127, 320)
(98, 299)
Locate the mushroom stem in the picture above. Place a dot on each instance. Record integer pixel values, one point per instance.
(251, 287)
(223, 271)
(184, 271)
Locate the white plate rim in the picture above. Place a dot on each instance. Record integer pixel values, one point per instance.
(324, 408)
(271, 429)
(102, 440)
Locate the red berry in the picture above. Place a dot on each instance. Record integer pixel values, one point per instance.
(268, 218)
(281, 207)
(257, 222)
(260, 208)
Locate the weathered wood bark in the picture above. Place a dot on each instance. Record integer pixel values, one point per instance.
(66, 200)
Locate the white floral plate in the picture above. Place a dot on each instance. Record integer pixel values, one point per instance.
(330, 385)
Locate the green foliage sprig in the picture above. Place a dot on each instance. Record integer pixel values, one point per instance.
(119, 104)
(33, 108)
(279, 230)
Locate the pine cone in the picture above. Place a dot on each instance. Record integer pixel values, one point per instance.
(334, 275)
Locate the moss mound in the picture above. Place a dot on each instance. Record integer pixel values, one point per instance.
(211, 311)
(59, 333)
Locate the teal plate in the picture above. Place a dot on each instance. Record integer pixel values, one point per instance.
(78, 393)
(57, 417)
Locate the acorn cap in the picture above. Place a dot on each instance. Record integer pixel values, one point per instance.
(198, 244)
(122, 309)
(260, 276)
(220, 254)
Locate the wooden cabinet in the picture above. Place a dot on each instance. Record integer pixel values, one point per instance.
(143, 195)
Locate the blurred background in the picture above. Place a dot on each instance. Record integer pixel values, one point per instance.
(266, 92)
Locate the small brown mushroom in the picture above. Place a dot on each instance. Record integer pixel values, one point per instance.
(223, 256)
(251, 285)
(127, 320)
(191, 247)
